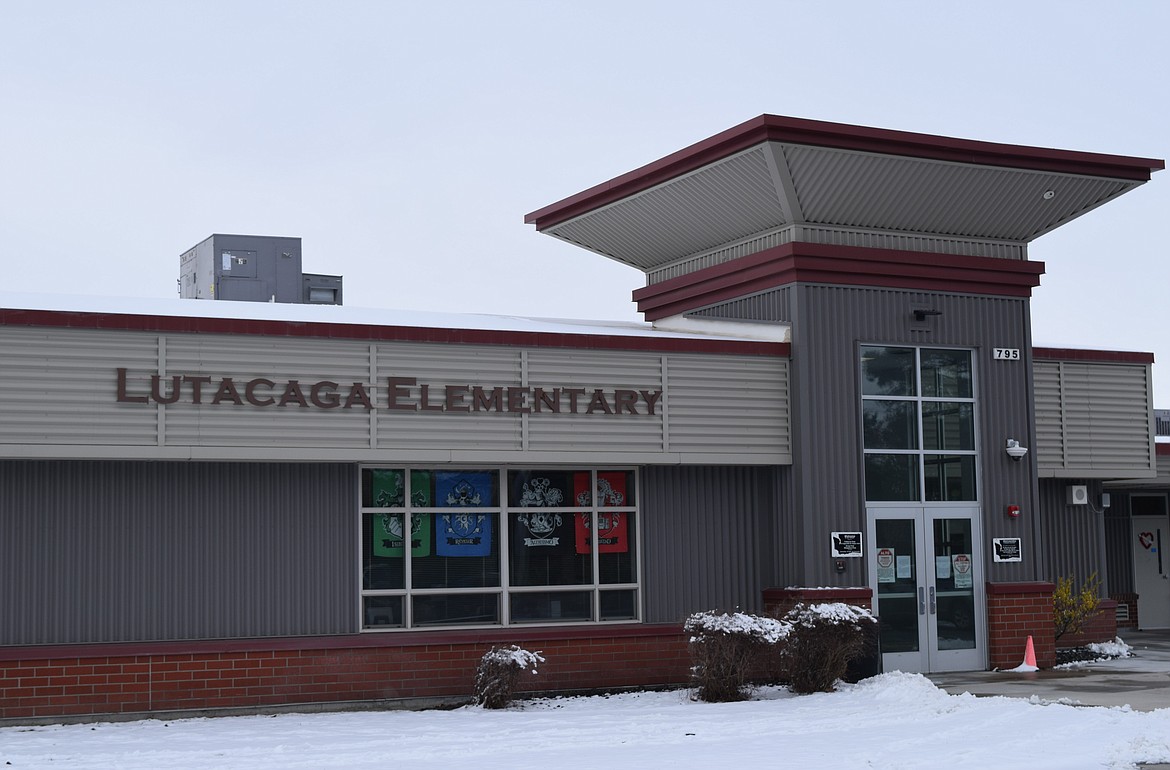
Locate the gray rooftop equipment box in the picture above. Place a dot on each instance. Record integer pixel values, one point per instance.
(253, 268)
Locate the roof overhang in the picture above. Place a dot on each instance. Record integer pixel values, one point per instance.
(775, 172)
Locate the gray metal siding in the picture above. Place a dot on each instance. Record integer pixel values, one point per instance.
(1118, 547)
(1074, 535)
(828, 324)
(134, 551)
(707, 539)
(768, 306)
(58, 399)
(1094, 419)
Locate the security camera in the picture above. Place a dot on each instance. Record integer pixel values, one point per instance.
(1014, 450)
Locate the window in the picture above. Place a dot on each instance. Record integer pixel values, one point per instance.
(497, 547)
(918, 424)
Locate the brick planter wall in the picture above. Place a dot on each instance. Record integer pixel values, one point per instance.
(139, 678)
(1102, 627)
(1016, 611)
(778, 601)
(1130, 601)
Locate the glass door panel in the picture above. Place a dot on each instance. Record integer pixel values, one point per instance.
(954, 584)
(897, 585)
(926, 572)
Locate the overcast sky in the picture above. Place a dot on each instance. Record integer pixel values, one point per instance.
(404, 142)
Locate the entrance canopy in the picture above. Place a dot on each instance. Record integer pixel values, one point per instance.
(776, 173)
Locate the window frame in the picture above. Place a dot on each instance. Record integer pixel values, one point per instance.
(921, 452)
(505, 514)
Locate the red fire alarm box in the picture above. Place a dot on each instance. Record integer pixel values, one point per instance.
(1013, 511)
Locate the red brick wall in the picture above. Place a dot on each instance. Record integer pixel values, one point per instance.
(1016, 611)
(778, 601)
(128, 678)
(1129, 600)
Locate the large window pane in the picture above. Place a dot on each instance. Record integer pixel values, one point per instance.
(554, 606)
(382, 552)
(466, 489)
(948, 425)
(949, 477)
(543, 550)
(466, 551)
(546, 489)
(891, 477)
(891, 425)
(456, 609)
(619, 605)
(614, 489)
(382, 612)
(946, 373)
(887, 371)
(616, 547)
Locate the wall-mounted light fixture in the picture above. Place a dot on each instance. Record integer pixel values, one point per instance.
(920, 314)
(1014, 450)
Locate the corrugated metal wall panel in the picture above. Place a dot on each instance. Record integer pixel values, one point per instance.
(770, 306)
(720, 255)
(741, 403)
(1073, 534)
(121, 551)
(1094, 419)
(707, 538)
(839, 236)
(1118, 548)
(827, 470)
(49, 393)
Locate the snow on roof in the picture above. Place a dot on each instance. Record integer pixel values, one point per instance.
(338, 314)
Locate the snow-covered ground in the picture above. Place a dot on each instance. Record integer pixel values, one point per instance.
(894, 720)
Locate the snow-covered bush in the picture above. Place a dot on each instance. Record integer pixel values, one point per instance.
(726, 648)
(822, 641)
(499, 670)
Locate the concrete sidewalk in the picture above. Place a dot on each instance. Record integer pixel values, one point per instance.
(1141, 681)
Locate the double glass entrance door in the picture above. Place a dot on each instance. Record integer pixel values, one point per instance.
(926, 571)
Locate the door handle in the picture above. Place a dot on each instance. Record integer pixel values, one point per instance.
(921, 601)
(933, 604)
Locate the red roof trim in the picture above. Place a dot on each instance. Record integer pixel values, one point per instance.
(339, 642)
(842, 136)
(1106, 356)
(838, 265)
(177, 324)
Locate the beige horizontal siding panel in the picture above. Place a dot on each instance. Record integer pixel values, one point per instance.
(58, 399)
(734, 402)
(1094, 420)
(59, 388)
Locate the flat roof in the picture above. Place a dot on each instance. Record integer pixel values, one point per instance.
(343, 322)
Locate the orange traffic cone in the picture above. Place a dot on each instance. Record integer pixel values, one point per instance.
(1030, 654)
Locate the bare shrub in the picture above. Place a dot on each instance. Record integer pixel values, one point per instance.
(823, 639)
(498, 672)
(725, 649)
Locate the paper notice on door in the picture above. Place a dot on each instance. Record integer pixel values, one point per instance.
(904, 567)
(885, 565)
(942, 567)
(962, 565)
